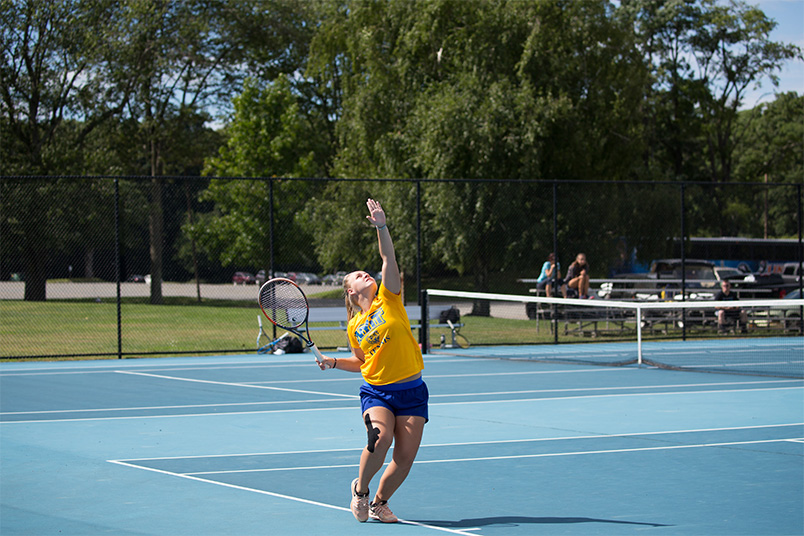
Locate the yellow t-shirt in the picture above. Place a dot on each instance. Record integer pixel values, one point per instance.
(383, 333)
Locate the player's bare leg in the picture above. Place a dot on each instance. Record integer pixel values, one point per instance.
(408, 435)
(372, 462)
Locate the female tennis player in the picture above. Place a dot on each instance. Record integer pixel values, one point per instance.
(393, 396)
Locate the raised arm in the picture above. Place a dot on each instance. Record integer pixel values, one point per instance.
(390, 269)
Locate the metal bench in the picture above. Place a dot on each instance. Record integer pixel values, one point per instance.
(334, 318)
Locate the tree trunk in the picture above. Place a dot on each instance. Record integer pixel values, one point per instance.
(35, 274)
(481, 307)
(89, 263)
(155, 228)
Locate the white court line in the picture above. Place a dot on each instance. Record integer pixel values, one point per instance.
(115, 366)
(279, 402)
(196, 477)
(495, 458)
(270, 388)
(281, 496)
(312, 401)
(434, 404)
(475, 443)
(188, 415)
(579, 453)
(465, 375)
(151, 408)
(618, 395)
(735, 365)
(625, 388)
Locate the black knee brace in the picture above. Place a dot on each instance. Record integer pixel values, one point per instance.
(373, 434)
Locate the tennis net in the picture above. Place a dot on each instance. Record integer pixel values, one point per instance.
(761, 337)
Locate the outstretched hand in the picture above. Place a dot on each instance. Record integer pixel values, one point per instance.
(376, 213)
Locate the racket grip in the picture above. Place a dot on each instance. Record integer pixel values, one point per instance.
(318, 357)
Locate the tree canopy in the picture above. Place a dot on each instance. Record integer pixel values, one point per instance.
(447, 90)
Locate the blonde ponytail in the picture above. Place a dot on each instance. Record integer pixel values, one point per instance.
(351, 306)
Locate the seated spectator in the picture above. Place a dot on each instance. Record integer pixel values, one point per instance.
(727, 314)
(551, 271)
(578, 276)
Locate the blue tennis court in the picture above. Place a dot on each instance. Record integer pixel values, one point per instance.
(250, 444)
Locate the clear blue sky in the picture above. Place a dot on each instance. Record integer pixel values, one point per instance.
(789, 14)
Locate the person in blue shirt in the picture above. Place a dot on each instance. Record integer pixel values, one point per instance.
(549, 269)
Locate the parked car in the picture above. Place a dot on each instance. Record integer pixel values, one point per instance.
(261, 276)
(793, 295)
(663, 280)
(792, 317)
(790, 272)
(243, 278)
(726, 272)
(307, 278)
(136, 279)
(335, 279)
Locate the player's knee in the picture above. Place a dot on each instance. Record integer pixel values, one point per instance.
(404, 457)
(384, 440)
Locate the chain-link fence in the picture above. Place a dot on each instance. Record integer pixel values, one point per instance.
(136, 266)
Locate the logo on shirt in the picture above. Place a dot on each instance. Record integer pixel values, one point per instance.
(374, 320)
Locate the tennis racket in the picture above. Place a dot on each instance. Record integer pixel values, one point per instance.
(283, 302)
(457, 339)
(267, 348)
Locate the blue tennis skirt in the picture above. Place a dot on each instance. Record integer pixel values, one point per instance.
(406, 398)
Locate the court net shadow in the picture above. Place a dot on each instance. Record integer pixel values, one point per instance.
(514, 521)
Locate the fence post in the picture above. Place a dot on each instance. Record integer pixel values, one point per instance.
(683, 264)
(418, 238)
(117, 266)
(554, 319)
(270, 274)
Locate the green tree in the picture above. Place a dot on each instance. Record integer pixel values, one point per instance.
(269, 136)
(56, 65)
(191, 55)
(481, 90)
(59, 82)
(706, 55)
(771, 149)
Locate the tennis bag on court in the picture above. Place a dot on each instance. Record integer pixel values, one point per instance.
(452, 314)
(290, 345)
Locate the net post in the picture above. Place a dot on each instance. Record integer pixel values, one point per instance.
(424, 330)
(800, 256)
(639, 334)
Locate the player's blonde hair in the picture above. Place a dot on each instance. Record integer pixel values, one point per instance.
(351, 304)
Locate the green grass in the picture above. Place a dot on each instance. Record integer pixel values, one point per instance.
(89, 328)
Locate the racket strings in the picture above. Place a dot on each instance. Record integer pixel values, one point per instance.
(284, 303)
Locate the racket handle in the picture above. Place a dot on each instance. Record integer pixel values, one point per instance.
(318, 357)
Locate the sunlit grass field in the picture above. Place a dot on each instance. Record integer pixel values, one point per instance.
(88, 329)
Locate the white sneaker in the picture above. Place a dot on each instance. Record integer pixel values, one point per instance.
(381, 512)
(360, 503)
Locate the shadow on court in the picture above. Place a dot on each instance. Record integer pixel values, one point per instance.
(515, 521)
